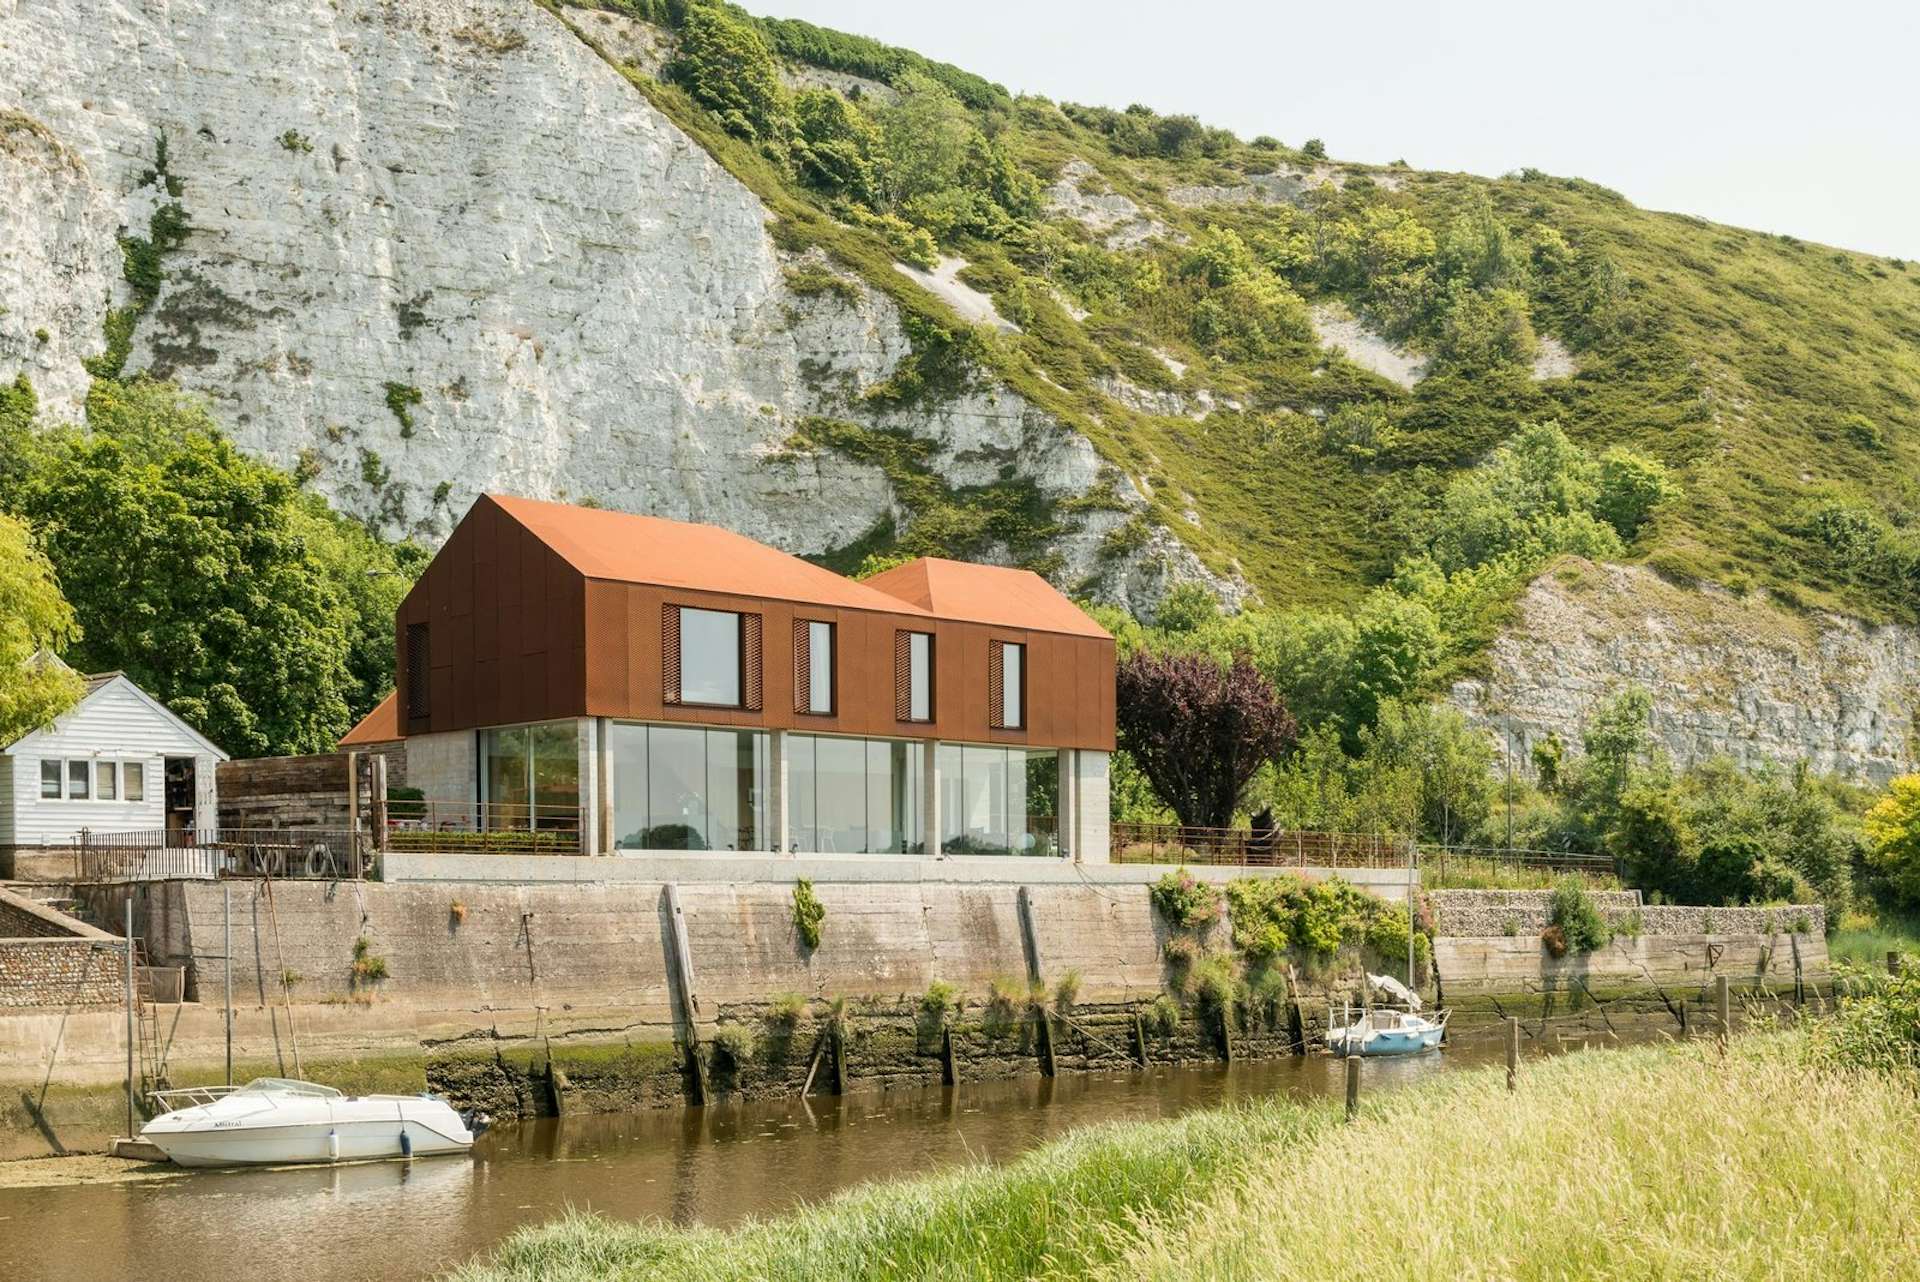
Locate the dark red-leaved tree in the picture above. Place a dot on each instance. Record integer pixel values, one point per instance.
(1199, 731)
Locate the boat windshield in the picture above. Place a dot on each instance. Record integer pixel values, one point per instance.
(287, 1086)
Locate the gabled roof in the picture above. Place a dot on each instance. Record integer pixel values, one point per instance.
(99, 682)
(623, 548)
(382, 725)
(986, 594)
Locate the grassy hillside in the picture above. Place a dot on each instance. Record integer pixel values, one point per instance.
(1779, 379)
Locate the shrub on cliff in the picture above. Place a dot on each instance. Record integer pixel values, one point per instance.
(725, 63)
(1575, 920)
(1186, 902)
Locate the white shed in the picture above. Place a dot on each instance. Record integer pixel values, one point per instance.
(117, 761)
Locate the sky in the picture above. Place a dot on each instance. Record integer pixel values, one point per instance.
(1799, 118)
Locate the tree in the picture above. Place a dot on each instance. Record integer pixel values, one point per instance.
(835, 145)
(34, 618)
(1199, 731)
(1631, 486)
(1892, 830)
(208, 577)
(726, 65)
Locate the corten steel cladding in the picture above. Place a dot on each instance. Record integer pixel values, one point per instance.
(541, 611)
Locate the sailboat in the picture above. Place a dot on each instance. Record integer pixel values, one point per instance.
(1385, 1031)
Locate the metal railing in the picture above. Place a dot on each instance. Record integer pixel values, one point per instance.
(169, 854)
(1519, 857)
(1243, 847)
(482, 827)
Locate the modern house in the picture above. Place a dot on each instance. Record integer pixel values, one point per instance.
(118, 761)
(635, 684)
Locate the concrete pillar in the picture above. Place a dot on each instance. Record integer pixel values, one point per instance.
(1090, 800)
(603, 775)
(778, 818)
(930, 796)
(587, 754)
(1065, 818)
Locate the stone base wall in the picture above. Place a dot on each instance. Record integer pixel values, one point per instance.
(1525, 912)
(54, 973)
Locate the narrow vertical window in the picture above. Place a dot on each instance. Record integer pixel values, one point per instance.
(134, 777)
(419, 671)
(1006, 691)
(50, 780)
(77, 789)
(710, 652)
(818, 674)
(918, 682)
(104, 780)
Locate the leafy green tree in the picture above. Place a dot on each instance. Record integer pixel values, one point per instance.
(1631, 486)
(35, 621)
(725, 63)
(927, 135)
(1396, 644)
(1188, 608)
(1892, 831)
(835, 145)
(207, 576)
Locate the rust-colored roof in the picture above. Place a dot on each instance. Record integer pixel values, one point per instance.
(986, 594)
(382, 725)
(623, 548)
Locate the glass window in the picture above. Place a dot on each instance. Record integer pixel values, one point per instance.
(531, 777)
(820, 667)
(1013, 661)
(840, 800)
(997, 801)
(104, 779)
(920, 676)
(50, 780)
(134, 776)
(627, 748)
(676, 789)
(76, 781)
(802, 820)
(736, 786)
(710, 657)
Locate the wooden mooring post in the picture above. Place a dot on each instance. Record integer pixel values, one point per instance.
(1139, 1039)
(949, 1071)
(1030, 936)
(689, 1003)
(1353, 1086)
(1513, 1052)
(839, 1054)
(1893, 962)
(1723, 1003)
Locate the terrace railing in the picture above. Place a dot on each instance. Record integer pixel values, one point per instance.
(1244, 847)
(483, 827)
(1439, 857)
(168, 854)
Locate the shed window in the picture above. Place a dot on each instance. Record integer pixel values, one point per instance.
(134, 777)
(104, 780)
(77, 781)
(50, 780)
(419, 671)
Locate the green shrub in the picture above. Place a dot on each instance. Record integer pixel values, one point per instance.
(368, 966)
(808, 913)
(1162, 1016)
(1066, 990)
(1387, 933)
(785, 1009)
(940, 998)
(1186, 902)
(724, 62)
(1573, 914)
(734, 1045)
(1878, 1024)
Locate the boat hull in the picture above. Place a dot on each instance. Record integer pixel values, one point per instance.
(289, 1131)
(1381, 1042)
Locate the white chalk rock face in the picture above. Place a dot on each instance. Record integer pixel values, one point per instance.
(455, 213)
(1729, 676)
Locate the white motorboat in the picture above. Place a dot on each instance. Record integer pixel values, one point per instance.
(275, 1121)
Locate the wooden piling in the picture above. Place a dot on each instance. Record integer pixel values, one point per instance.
(1799, 973)
(1893, 962)
(949, 1072)
(1684, 1029)
(1353, 1086)
(1139, 1039)
(1513, 1052)
(839, 1055)
(1048, 1064)
(689, 1003)
(1723, 1001)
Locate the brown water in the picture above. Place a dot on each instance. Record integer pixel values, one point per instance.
(400, 1222)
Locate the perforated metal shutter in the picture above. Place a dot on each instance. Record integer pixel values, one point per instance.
(903, 675)
(670, 653)
(752, 670)
(802, 666)
(419, 671)
(997, 684)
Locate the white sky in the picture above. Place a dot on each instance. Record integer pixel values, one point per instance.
(1798, 118)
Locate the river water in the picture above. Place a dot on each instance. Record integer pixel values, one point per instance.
(400, 1222)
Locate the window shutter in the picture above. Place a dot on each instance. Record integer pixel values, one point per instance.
(419, 671)
(802, 665)
(997, 684)
(902, 676)
(670, 653)
(752, 674)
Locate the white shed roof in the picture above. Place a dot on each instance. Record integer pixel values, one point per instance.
(113, 685)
